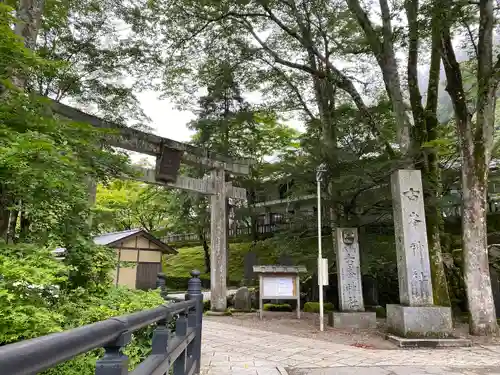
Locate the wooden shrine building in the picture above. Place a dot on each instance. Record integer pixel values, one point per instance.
(139, 256)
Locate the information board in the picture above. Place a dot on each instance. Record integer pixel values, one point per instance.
(279, 282)
(278, 286)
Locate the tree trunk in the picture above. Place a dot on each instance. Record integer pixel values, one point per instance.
(474, 238)
(325, 98)
(434, 226)
(430, 171)
(29, 13)
(4, 212)
(25, 227)
(383, 50)
(206, 252)
(254, 233)
(475, 140)
(11, 231)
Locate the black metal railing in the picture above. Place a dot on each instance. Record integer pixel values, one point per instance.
(179, 351)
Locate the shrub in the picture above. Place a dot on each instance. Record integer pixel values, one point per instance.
(34, 301)
(277, 307)
(81, 310)
(206, 305)
(313, 307)
(176, 283)
(380, 311)
(29, 292)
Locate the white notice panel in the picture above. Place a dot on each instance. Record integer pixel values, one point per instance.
(278, 286)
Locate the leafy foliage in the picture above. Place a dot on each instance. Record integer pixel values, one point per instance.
(44, 164)
(35, 300)
(124, 204)
(44, 160)
(313, 307)
(28, 292)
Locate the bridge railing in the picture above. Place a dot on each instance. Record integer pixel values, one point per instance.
(179, 351)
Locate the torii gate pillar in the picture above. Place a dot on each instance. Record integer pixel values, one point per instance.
(169, 154)
(218, 255)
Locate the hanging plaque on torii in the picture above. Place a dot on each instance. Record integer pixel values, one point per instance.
(169, 155)
(168, 164)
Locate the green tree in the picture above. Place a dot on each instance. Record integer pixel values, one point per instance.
(44, 161)
(299, 55)
(126, 204)
(475, 130)
(230, 125)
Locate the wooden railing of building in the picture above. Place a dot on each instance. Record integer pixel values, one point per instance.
(493, 207)
(177, 353)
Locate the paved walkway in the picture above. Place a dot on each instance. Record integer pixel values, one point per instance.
(233, 350)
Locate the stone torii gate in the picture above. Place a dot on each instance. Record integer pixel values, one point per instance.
(169, 155)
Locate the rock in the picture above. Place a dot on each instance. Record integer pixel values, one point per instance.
(230, 300)
(242, 299)
(254, 298)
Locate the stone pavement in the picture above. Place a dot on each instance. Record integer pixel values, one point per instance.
(398, 370)
(233, 350)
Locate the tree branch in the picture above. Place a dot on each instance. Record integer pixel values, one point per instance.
(486, 85)
(471, 37)
(455, 83)
(277, 58)
(366, 25)
(411, 7)
(386, 24)
(434, 72)
(337, 77)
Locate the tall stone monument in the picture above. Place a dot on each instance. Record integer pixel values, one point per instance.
(352, 310)
(416, 314)
(349, 271)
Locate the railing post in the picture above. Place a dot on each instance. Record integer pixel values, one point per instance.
(161, 282)
(161, 333)
(194, 292)
(180, 331)
(114, 361)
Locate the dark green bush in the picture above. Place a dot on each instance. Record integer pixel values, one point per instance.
(180, 283)
(174, 283)
(277, 307)
(313, 307)
(36, 299)
(206, 305)
(380, 311)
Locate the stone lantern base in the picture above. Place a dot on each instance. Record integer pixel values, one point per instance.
(419, 321)
(352, 319)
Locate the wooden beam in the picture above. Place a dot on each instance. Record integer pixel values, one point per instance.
(151, 144)
(202, 186)
(235, 192)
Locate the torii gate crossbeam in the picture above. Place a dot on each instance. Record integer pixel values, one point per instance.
(169, 155)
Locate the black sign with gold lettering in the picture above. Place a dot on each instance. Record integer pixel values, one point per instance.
(167, 165)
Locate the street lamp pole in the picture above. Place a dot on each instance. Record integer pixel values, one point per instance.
(319, 177)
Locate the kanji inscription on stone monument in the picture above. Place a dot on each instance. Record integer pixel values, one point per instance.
(415, 287)
(348, 269)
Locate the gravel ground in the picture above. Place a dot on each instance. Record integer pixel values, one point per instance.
(308, 327)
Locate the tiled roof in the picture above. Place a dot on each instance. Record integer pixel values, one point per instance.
(108, 238)
(279, 269)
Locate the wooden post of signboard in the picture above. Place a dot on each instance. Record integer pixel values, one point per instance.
(297, 288)
(261, 290)
(279, 283)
